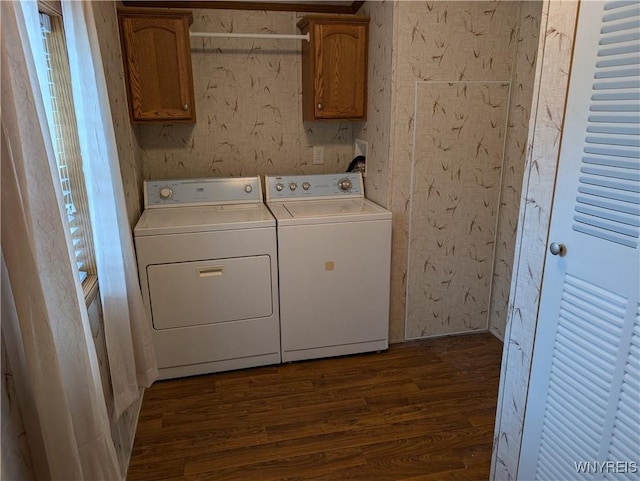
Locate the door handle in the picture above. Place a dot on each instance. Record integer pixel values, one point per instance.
(557, 249)
(210, 271)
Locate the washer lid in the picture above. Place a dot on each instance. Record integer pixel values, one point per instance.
(328, 211)
(181, 220)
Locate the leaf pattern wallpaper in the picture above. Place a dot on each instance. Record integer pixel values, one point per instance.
(128, 149)
(473, 46)
(456, 187)
(514, 162)
(377, 130)
(248, 105)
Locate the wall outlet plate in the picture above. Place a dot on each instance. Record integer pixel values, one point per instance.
(360, 147)
(318, 155)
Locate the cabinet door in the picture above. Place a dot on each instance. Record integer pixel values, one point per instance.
(341, 71)
(158, 63)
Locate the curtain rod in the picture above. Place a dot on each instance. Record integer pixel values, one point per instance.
(249, 35)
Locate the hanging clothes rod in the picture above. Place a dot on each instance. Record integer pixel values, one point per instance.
(250, 35)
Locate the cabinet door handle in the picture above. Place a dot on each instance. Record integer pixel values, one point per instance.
(320, 106)
(185, 107)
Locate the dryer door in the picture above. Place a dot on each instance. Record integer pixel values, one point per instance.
(210, 291)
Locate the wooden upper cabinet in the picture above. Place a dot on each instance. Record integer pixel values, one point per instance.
(157, 63)
(334, 67)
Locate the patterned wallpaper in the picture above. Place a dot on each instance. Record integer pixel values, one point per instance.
(514, 160)
(428, 51)
(128, 148)
(459, 139)
(543, 144)
(248, 104)
(378, 128)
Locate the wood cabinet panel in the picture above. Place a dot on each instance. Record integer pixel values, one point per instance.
(157, 62)
(334, 64)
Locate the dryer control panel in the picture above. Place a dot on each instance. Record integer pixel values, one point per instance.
(321, 186)
(213, 191)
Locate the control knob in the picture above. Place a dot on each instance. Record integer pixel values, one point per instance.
(306, 185)
(293, 186)
(279, 187)
(166, 192)
(248, 189)
(344, 184)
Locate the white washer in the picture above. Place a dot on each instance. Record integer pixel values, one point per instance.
(207, 259)
(334, 253)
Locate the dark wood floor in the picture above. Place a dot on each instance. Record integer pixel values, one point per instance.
(422, 410)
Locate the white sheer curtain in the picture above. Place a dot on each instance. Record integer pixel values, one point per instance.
(127, 331)
(44, 318)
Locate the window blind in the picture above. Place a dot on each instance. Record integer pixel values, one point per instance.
(66, 145)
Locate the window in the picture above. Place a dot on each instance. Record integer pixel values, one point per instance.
(67, 147)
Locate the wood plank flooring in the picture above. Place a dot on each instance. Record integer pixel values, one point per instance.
(423, 410)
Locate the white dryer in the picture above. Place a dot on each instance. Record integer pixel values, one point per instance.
(334, 254)
(207, 259)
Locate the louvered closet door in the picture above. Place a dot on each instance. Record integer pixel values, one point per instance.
(583, 411)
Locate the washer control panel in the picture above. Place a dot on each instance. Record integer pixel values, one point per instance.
(214, 191)
(289, 187)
